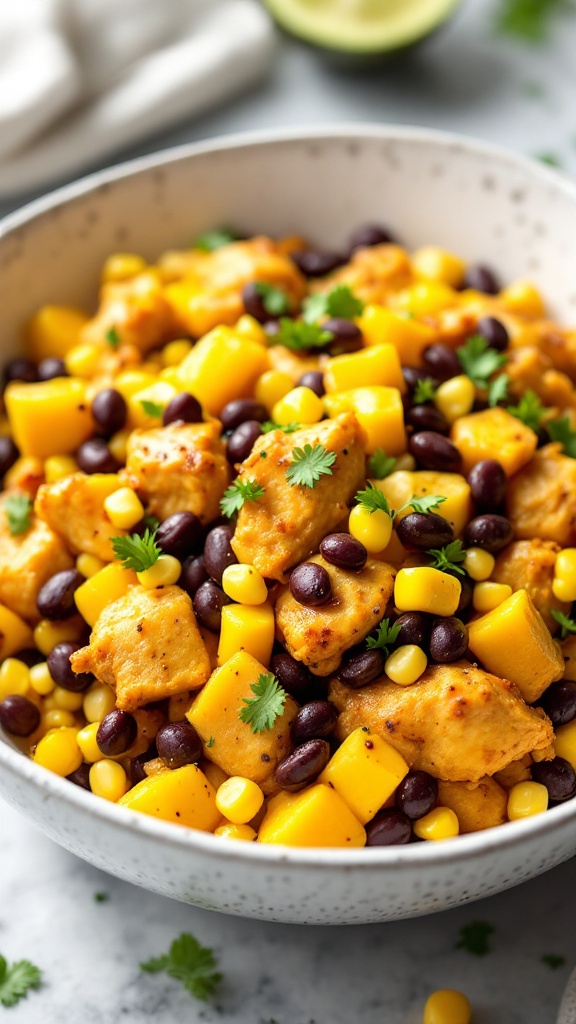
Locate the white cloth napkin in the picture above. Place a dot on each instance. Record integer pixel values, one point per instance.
(82, 78)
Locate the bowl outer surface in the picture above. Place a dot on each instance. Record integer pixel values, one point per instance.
(429, 187)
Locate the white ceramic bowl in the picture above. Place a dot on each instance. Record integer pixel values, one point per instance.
(484, 203)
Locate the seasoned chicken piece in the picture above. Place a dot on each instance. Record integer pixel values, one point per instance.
(529, 368)
(558, 344)
(541, 498)
(286, 525)
(477, 806)
(27, 561)
(147, 647)
(516, 771)
(320, 636)
(530, 564)
(179, 468)
(456, 722)
(74, 508)
(295, 364)
(373, 273)
(25, 475)
(135, 310)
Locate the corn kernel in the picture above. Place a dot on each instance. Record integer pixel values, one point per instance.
(479, 564)
(437, 264)
(565, 742)
(47, 634)
(57, 718)
(86, 740)
(66, 699)
(372, 529)
(455, 397)
(243, 832)
(406, 664)
(83, 360)
(271, 386)
(249, 327)
(239, 799)
(14, 678)
(40, 679)
(244, 584)
(15, 634)
(163, 573)
(175, 351)
(423, 589)
(108, 780)
(124, 508)
(562, 589)
(426, 297)
(98, 702)
(118, 445)
(406, 463)
(130, 381)
(440, 823)
(121, 266)
(487, 596)
(300, 405)
(526, 799)
(447, 1006)
(58, 467)
(89, 565)
(564, 583)
(58, 750)
(247, 628)
(523, 297)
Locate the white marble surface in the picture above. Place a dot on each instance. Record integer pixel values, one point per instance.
(463, 80)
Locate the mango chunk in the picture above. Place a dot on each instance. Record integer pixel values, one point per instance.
(409, 336)
(379, 412)
(53, 331)
(15, 634)
(247, 628)
(49, 418)
(101, 589)
(316, 817)
(400, 486)
(379, 364)
(494, 434)
(183, 796)
(202, 371)
(365, 771)
(145, 404)
(513, 642)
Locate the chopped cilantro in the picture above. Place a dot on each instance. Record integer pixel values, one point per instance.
(101, 897)
(299, 336)
(550, 159)
(190, 963)
(209, 241)
(288, 428)
(479, 361)
(567, 624)
(426, 503)
(372, 500)
(18, 509)
(152, 408)
(474, 938)
(424, 391)
(112, 337)
(527, 20)
(262, 710)
(309, 464)
(274, 300)
(237, 493)
(561, 431)
(386, 635)
(498, 389)
(529, 409)
(380, 465)
(339, 302)
(17, 980)
(211, 742)
(448, 558)
(553, 960)
(137, 552)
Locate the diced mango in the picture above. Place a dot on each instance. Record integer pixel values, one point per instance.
(513, 642)
(102, 589)
(426, 297)
(53, 331)
(316, 817)
(423, 589)
(49, 418)
(494, 434)
(523, 298)
(128, 382)
(400, 486)
(142, 402)
(565, 742)
(379, 412)
(365, 771)
(183, 796)
(378, 364)
(15, 634)
(435, 264)
(246, 628)
(410, 337)
(223, 365)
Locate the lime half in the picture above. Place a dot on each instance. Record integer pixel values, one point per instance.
(361, 26)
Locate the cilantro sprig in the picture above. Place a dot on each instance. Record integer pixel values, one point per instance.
(527, 20)
(239, 492)
(479, 361)
(386, 635)
(381, 465)
(189, 963)
(152, 408)
(553, 961)
(18, 509)
(424, 504)
(137, 552)
(567, 624)
(474, 938)
(424, 391)
(288, 428)
(112, 337)
(17, 980)
(309, 464)
(209, 241)
(274, 299)
(448, 558)
(339, 302)
(498, 389)
(373, 500)
(299, 336)
(262, 710)
(529, 410)
(561, 431)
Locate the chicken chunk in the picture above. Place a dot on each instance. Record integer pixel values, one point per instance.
(530, 564)
(541, 498)
(146, 646)
(476, 806)
(27, 561)
(179, 468)
(286, 525)
(320, 636)
(74, 508)
(373, 273)
(456, 722)
(135, 310)
(529, 368)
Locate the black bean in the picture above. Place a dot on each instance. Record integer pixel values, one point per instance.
(20, 369)
(240, 410)
(94, 456)
(208, 602)
(344, 551)
(466, 591)
(441, 361)
(490, 532)
(426, 417)
(314, 380)
(389, 828)
(313, 263)
(412, 376)
(494, 332)
(30, 656)
(294, 677)
(178, 744)
(56, 598)
(81, 777)
(242, 441)
(448, 640)
(20, 717)
(558, 701)
(481, 279)
(52, 367)
(255, 303)
(116, 733)
(61, 670)
(109, 409)
(183, 408)
(218, 554)
(369, 234)
(303, 765)
(432, 451)
(8, 454)
(179, 535)
(310, 584)
(559, 778)
(136, 771)
(314, 721)
(487, 481)
(345, 331)
(414, 629)
(424, 530)
(417, 794)
(359, 668)
(193, 574)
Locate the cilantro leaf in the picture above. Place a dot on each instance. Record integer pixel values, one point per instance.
(112, 337)
(288, 428)
(550, 159)
(309, 464)
(239, 492)
(339, 302)
(262, 710)
(211, 742)
(209, 241)
(424, 391)
(152, 408)
(527, 20)
(137, 552)
(17, 980)
(479, 361)
(553, 960)
(568, 625)
(381, 465)
(299, 336)
(372, 500)
(449, 557)
(101, 897)
(151, 522)
(560, 430)
(18, 509)
(427, 503)
(529, 410)
(498, 389)
(386, 635)
(190, 963)
(274, 300)
(474, 938)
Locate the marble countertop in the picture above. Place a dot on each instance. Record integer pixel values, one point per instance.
(463, 80)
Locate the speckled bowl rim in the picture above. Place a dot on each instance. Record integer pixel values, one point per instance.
(461, 848)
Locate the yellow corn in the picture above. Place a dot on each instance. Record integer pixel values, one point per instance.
(526, 799)
(118, 445)
(239, 799)
(243, 832)
(372, 529)
(47, 634)
(564, 583)
(479, 564)
(40, 679)
(58, 750)
(440, 823)
(57, 718)
(89, 565)
(271, 386)
(244, 584)
(565, 742)
(124, 508)
(14, 678)
(426, 297)
(249, 327)
(121, 266)
(163, 573)
(108, 780)
(455, 397)
(247, 628)
(423, 589)
(300, 405)
(437, 264)
(406, 664)
(15, 634)
(405, 462)
(447, 1006)
(175, 351)
(86, 739)
(83, 360)
(98, 702)
(487, 596)
(58, 467)
(66, 700)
